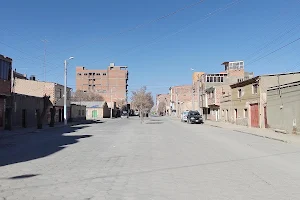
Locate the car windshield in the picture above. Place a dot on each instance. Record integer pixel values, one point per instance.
(194, 113)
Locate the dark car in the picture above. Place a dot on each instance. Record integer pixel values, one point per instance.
(194, 117)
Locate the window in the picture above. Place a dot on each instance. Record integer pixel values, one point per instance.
(239, 93)
(207, 79)
(5, 70)
(254, 88)
(82, 112)
(79, 74)
(245, 113)
(98, 74)
(85, 74)
(59, 93)
(104, 74)
(222, 79)
(78, 112)
(211, 79)
(215, 79)
(219, 79)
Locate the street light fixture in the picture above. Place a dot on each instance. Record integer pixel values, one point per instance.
(65, 91)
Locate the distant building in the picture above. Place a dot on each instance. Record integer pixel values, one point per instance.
(111, 83)
(163, 98)
(178, 95)
(95, 109)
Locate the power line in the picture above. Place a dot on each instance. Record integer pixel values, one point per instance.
(296, 40)
(216, 11)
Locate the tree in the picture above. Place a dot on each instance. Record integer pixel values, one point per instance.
(142, 100)
(161, 107)
(79, 95)
(120, 103)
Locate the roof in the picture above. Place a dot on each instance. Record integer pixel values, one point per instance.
(287, 73)
(90, 104)
(291, 84)
(246, 82)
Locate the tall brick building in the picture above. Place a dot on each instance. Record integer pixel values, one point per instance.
(109, 83)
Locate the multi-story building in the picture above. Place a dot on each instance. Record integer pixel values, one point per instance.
(163, 98)
(179, 95)
(111, 83)
(5, 87)
(233, 72)
(40, 89)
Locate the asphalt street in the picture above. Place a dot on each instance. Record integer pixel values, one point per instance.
(158, 160)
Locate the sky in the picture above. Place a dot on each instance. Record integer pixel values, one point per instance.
(159, 40)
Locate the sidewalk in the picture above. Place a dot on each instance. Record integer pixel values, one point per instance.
(265, 133)
(24, 131)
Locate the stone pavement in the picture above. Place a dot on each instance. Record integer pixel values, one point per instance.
(160, 159)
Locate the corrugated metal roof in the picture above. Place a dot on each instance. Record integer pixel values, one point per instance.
(90, 104)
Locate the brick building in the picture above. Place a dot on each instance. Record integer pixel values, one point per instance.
(40, 89)
(178, 95)
(163, 98)
(234, 72)
(111, 83)
(5, 87)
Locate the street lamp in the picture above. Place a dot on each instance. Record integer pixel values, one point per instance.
(65, 92)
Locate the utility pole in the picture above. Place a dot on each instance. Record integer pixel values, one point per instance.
(65, 92)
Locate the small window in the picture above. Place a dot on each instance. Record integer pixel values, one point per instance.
(79, 74)
(78, 112)
(239, 93)
(219, 79)
(245, 113)
(254, 88)
(222, 79)
(211, 79)
(207, 79)
(60, 93)
(82, 112)
(98, 74)
(215, 79)
(85, 74)
(104, 74)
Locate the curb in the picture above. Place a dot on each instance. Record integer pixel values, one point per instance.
(262, 136)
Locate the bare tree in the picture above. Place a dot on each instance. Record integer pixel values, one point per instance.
(79, 95)
(161, 107)
(142, 100)
(120, 103)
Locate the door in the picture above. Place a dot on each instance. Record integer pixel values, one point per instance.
(24, 118)
(265, 116)
(254, 115)
(94, 114)
(59, 115)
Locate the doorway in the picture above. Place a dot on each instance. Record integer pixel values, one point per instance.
(24, 118)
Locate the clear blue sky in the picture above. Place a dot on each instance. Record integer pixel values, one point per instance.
(159, 54)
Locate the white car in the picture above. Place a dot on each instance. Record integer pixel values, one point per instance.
(183, 116)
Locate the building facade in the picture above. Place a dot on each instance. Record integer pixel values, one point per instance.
(95, 110)
(40, 89)
(165, 98)
(5, 88)
(233, 72)
(249, 98)
(179, 95)
(283, 107)
(111, 83)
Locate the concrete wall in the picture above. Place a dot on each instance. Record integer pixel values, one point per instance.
(268, 81)
(39, 89)
(30, 105)
(78, 112)
(284, 112)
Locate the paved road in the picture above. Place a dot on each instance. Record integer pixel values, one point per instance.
(161, 159)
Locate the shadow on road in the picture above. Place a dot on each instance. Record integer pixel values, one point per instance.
(23, 148)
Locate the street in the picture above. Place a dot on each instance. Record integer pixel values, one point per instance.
(158, 160)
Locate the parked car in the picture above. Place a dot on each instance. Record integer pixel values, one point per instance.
(184, 116)
(124, 114)
(194, 117)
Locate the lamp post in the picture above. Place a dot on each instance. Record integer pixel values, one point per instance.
(65, 92)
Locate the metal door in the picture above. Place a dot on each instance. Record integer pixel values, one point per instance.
(254, 115)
